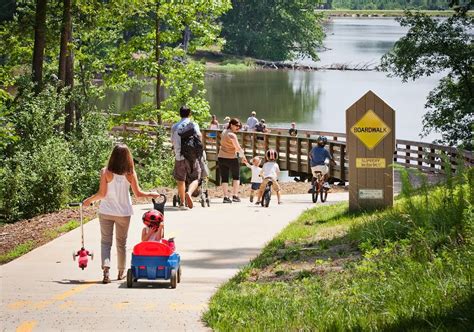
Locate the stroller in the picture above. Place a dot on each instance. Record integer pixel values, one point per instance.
(202, 189)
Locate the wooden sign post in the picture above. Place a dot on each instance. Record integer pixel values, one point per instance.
(370, 129)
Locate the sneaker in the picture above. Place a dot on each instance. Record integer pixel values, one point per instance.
(182, 207)
(235, 199)
(258, 203)
(326, 185)
(189, 200)
(106, 279)
(227, 200)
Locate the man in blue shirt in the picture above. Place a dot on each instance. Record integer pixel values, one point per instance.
(183, 170)
(318, 157)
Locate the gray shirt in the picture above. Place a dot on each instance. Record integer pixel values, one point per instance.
(176, 139)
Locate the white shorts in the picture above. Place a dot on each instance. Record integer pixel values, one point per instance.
(320, 168)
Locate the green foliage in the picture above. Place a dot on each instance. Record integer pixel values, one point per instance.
(91, 146)
(7, 134)
(42, 171)
(412, 270)
(54, 233)
(153, 158)
(185, 84)
(123, 43)
(439, 46)
(390, 4)
(17, 251)
(273, 30)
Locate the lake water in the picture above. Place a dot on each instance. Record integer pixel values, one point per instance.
(317, 100)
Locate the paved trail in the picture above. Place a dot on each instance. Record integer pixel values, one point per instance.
(45, 290)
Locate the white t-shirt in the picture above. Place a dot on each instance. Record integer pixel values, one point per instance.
(256, 178)
(270, 170)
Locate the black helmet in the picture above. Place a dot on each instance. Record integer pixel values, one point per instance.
(322, 140)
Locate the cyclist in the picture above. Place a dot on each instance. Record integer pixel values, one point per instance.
(270, 171)
(318, 157)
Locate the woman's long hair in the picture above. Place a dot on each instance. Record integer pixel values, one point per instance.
(121, 161)
(235, 122)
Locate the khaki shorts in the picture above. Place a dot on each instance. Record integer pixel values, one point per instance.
(275, 186)
(184, 171)
(320, 168)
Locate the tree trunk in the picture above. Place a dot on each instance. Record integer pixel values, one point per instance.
(157, 59)
(40, 43)
(186, 38)
(66, 62)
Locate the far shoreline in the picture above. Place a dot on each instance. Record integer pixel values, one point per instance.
(379, 13)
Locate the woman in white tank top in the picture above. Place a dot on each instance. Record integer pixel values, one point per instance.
(116, 205)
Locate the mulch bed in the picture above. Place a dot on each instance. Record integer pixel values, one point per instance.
(38, 229)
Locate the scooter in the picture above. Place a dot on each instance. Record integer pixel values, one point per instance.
(82, 253)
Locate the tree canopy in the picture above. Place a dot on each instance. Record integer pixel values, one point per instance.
(57, 57)
(440, 46)
(273, 29)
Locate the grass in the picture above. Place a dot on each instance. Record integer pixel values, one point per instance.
(29, 245)
(69, 226)
(17, 251)
(405, 268)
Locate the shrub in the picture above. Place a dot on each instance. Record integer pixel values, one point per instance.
(36, 181)
(91, 146)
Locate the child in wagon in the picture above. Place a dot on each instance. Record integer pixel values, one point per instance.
(153, 230)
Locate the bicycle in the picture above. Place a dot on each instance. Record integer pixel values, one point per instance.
(267, 194)
(317, 188)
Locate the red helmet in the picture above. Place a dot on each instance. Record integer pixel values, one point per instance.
(153, 218)
(271, 154)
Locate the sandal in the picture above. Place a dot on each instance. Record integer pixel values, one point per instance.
(121, 275)
(106, 278)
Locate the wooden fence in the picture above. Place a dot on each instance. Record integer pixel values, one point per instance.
(293, 151)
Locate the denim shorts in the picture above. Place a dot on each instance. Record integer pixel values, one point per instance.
(255, 185)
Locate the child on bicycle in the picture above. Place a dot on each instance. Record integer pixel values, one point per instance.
(318, 157)
(270, 171)
(256, 179)
(154, 229)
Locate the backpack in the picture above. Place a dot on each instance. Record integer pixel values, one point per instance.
(191, 145)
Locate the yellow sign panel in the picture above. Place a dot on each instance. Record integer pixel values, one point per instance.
(370, 162)
(370, 129)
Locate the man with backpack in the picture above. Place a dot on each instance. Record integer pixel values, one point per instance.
(187, 145)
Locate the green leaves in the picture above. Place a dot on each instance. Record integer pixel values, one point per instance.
(439, 46)
(273, 30)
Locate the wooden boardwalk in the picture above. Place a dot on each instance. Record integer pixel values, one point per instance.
(293, 151)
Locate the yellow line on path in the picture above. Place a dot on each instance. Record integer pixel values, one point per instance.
(18, 305)
(27, 326)
(71, 292)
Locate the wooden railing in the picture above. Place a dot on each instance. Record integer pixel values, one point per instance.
(293, 151)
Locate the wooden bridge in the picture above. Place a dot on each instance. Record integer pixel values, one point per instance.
(293, 151)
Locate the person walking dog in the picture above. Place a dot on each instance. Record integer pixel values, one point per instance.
(115, 208)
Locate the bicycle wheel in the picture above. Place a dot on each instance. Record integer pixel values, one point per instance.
(324, 194)
(314, 191)
(267, 197)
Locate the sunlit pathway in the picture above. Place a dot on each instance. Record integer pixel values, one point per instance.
(45, 290)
